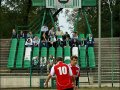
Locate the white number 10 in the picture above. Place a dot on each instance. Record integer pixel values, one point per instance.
(62, 70)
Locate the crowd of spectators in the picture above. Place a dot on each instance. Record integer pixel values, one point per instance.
(54, 38)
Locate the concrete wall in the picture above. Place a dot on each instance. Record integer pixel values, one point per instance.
(20, 81)
(24, 81)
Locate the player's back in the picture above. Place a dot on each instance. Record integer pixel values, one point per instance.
(63, 75)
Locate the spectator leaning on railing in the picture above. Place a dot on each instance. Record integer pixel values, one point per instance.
(90, 40)
(14, 33)
(21, 35)
(83, 42)
(29, 35)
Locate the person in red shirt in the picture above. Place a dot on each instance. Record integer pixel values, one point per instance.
(63, 75)
(75, 69)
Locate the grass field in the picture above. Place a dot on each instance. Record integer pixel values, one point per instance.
(105, 88)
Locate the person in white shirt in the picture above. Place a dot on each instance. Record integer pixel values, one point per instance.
(29, 42)
(36, 41)
(59, 34)
(51, 32)
(75, 36)
(44, 28)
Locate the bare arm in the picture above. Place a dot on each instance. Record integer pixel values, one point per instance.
(47, 80)
(49, 77)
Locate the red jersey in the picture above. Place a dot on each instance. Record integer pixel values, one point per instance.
(75, 70)
(63, 75)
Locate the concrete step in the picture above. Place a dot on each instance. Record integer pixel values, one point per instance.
(107, 81)
(108, 39)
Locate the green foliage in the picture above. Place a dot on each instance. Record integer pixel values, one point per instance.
(15, 12)
(21, 12)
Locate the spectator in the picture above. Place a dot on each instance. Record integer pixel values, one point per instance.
(29, 35)
(66, 35)
(14, 34)
(44, 37)
(52, 41)
(51, 32)
(43, 43)
(25, 34)
(59, 43)
(67, 41)
(36, 41)
(82, 42)
(44, 40)
(75, 36)
(44, 28)
(74, 43)
(59, 34)
(35, 62)
(28, 42)
(50, 62)
(43, 63)
(21, 35)
(90, 41)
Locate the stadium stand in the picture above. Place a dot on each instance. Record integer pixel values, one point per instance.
(83, 59)
(67, 54)
(12, 53)
(91, 57)
(20, 53)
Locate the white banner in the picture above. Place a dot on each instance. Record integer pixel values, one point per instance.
(75, 51)
(27, 53)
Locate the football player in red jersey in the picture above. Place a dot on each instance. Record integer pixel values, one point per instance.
(75, 69)
(63, 75)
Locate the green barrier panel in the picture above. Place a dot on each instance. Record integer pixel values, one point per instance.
(35, 51)
(59, 52)
(81, 36)
(43, 52)
(52, 51)
(83, 61)
(38, 2)
(12, 54)
(42, 81)
(43, 58)
(53, 83)
(20, 53)
(91, 57)
(67, 54)
(89, 2)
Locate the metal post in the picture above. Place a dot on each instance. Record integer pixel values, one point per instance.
(99, 46)
(30, 75)
(52, 20)
(112, 49)
(111, 22)
(43, 20)
(87, 22)
(76, 22)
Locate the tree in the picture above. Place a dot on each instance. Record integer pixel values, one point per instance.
(92, 16)
(15, 12)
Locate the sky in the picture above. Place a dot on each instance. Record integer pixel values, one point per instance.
(62, 20)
